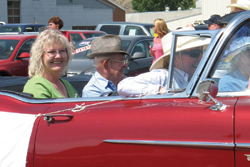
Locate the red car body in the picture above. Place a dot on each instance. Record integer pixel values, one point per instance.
(11, 64)
(179, 128)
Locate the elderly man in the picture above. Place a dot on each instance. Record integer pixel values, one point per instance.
(188, 54)
(109, 59)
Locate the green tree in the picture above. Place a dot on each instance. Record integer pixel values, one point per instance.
(160, 5)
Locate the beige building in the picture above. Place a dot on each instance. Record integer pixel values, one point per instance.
(204, 9)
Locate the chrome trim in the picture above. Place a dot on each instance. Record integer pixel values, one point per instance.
(92, 99)
(27, 100)
(174, 143)
(243, 145)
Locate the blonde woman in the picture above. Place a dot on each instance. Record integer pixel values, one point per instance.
(50, 56)
(160, 28)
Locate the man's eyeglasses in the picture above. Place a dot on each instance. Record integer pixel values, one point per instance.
(195, 53)
(52, 53)
(123, 62)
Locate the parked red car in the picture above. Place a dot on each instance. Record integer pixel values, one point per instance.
(14, 57)
(179, 128)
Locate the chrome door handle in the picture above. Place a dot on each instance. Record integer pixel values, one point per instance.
(52, 117)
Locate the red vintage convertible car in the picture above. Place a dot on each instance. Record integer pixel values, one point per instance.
(179, 128)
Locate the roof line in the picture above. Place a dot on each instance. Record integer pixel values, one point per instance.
(116, 5)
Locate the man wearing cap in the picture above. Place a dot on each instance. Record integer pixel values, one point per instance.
(109, 59)
(188, 55)
(213, 22)
(241, 5)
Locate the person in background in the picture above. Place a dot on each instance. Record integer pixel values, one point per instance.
(50, 56)
(189, 51)
(239, 57)
(213, 22)
(160, 28)
(241, 5)
(109, 59)
(57, 24)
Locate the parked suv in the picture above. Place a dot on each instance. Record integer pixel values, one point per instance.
(126, 28)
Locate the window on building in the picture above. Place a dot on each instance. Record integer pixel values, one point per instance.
(14, 11)
(83, 27)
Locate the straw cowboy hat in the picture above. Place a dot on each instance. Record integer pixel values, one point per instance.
(183, 43)
(106, 45)
(242, 4)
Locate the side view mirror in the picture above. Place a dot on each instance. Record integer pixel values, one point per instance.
(138, 55)
(24, 55)
(206, 91)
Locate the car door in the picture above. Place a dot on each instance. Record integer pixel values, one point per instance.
(21, 65)
(227, 71)
(137, 66)
(135, 132)
(242, 136)
(235, 63)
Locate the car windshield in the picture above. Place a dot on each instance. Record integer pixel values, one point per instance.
(150, 29)
(6, 48)
(186, 59)
(84, 48)
(90, 35)
(6, 29)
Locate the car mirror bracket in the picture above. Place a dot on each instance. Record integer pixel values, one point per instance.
(206, 91)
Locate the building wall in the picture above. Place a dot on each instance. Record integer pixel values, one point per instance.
(77, 13)
(118, 13)
(3, 11)
(208, 8)
(175, 19)
(72, 14)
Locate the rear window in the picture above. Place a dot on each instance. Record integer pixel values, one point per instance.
(76, 37)
(6, 29)
(7, 47)
(41, 28)
(150, 29)
(134, 30)
(90, 35)
(111, 29)
(29, 29)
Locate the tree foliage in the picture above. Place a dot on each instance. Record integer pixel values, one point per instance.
(160, 5)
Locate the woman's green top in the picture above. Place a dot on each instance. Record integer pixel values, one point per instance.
(42, 88)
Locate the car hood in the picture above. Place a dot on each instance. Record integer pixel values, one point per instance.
(4, 62)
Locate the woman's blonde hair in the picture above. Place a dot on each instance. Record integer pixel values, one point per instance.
(46, 38)
(161, 27)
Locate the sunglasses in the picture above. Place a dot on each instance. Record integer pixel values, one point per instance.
(193, 53)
